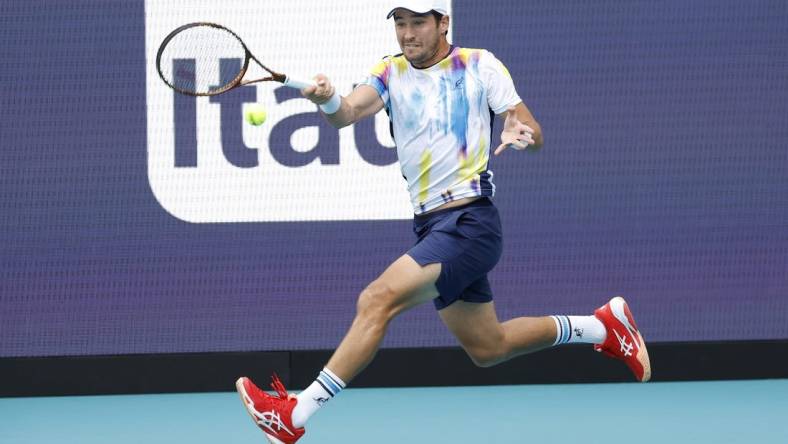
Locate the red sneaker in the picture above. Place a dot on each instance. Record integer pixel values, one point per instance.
(271, 413)
(623, 340)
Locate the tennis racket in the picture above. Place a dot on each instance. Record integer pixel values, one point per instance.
(208, 42)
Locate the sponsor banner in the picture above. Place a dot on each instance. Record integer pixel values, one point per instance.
(206, 164)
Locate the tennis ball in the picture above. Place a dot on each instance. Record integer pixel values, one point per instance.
(255, 114)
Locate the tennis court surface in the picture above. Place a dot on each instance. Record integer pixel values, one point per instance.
(666, 412)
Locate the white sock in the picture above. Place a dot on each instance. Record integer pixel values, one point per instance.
(585, 329)
(326, 386)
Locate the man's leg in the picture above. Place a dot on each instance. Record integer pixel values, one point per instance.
(611, 329)
(403, 285)
(489, 342)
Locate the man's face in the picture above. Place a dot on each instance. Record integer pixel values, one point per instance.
(418, 35)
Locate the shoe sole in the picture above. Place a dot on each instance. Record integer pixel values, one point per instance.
(617, 305)
(249, 405)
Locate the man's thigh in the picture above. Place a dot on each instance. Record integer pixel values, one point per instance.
(475, 325)
(409, 284)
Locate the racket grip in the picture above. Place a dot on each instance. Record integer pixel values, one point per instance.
(298, 83)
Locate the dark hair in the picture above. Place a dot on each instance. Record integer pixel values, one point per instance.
(438, 16)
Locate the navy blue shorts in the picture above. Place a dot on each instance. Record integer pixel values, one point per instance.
(467, 242)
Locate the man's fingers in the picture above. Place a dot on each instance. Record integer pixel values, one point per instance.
(519, 144)
(526, 128)
(321, 91)
(320, 88)
(516, 134)
(527, 139)
(309, 90)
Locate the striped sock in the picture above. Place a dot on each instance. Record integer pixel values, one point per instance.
(326, 386)
(584, 329)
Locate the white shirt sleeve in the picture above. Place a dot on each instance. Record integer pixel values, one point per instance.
(381, 88)
(501, 94)
(378, 78)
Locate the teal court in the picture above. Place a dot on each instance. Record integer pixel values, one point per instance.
(652, 413)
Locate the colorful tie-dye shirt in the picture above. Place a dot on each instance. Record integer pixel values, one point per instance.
(441, 120)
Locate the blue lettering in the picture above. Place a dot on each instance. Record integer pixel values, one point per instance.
(231, 111)
(235, 150)
(368, 146)
(185, 118)
(327, 148)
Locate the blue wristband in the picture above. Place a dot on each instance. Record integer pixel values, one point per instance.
(332, 105)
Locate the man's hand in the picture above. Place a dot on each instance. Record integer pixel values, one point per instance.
(321, 93)
(515, 133)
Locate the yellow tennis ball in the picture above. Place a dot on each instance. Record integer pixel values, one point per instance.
(255, 114)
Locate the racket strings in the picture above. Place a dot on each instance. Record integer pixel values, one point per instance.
(202, 60)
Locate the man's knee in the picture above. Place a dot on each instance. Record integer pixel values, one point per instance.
(376, 302)
(484, 358)
(492, 352)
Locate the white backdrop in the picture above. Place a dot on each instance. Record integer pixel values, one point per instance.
(301, 38)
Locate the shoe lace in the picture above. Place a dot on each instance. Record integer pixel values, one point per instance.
(278, 387)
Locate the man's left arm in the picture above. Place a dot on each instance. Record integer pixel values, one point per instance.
(520, 129)
(524, 115)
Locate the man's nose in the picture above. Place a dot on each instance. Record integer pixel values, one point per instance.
(408, 35)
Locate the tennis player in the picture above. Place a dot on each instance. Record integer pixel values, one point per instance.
(441, 100)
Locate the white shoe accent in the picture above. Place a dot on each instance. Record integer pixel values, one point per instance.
(266, 419)
(617, 308)
(269, 420)
(617, 305)
(625, 348)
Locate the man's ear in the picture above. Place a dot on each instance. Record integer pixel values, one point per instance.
(444, 24)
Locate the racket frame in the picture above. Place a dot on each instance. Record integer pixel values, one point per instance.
(238, 80)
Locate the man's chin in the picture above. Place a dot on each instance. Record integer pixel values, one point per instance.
(414, 59)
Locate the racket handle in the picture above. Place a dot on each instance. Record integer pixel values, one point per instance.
(298, 83)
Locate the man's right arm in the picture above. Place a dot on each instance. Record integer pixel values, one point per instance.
(362, 102)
